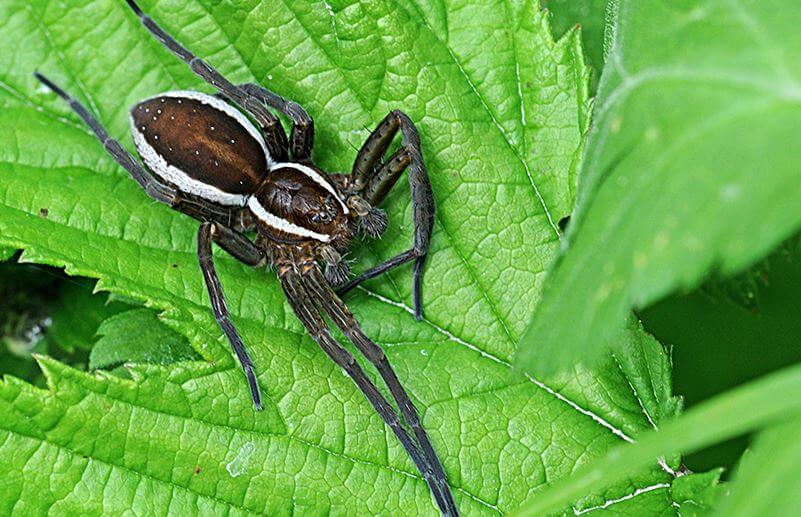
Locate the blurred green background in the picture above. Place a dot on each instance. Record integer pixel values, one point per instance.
(718, 343)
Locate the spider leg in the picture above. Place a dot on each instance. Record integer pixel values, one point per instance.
(375, 183)
(238, 246)
(378, 270)
(377, 187)
(384, 179)
(346, 322)
(300, 300)
(204, 211)
(234, 218)
(301, 140)
(274, 135)
(154, 187)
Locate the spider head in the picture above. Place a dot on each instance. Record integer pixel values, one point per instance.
(298, 203)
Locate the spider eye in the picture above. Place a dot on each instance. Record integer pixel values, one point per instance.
(321, 217)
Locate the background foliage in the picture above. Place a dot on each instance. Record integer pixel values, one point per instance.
(166, 424)
(675, 179)
(662, 60)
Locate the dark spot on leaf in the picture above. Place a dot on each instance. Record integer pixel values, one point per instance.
(175, 265)
(43, 212)
(197, 470)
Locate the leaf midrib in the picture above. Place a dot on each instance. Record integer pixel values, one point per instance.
(495, 123)
(593, 416)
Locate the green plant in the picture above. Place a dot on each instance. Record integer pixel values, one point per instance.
(690, 168)
(503, 109)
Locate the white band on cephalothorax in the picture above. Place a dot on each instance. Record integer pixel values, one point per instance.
(282, 224)
(185, 183)
(226, 108)
(316, 177)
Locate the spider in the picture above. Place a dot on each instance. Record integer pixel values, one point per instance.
(206, 159)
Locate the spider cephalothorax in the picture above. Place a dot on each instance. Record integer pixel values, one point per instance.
(206, 158)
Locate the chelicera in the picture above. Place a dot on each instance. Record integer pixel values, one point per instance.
(205, 158)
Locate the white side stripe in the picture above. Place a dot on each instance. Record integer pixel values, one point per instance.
(282, 224)
(315, 176)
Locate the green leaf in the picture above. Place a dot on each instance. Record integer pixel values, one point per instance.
(696, 494)
(767, 482)
(675, 179)
(501, 108)
(6, 253)
(761, 403)
(590, 15)
(138, 336)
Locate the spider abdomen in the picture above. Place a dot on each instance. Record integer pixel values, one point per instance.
(202, 145)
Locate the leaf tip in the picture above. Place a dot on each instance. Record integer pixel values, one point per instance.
(51, 368)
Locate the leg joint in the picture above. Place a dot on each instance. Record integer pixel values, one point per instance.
(373, 352)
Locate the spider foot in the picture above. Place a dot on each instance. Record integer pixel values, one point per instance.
(337, 273)
(374, 223)
(336, 269)
(372, 220)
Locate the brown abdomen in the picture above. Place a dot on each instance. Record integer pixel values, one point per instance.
(194, 140)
